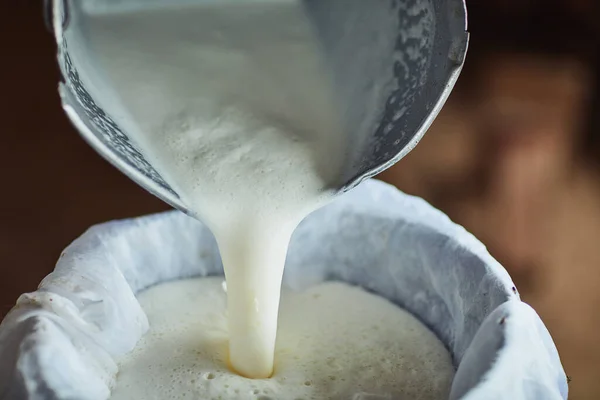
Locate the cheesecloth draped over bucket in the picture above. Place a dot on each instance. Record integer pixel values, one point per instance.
(61, 341)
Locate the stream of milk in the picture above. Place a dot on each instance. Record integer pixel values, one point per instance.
(234, 105)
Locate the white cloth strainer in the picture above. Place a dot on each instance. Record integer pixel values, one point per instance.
(61, 341)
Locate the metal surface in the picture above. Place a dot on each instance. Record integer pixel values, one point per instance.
(430, 50)
(411, 110)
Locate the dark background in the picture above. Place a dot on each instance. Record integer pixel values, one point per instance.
(502, 173)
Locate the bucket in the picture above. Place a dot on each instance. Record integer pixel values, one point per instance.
(62, 341)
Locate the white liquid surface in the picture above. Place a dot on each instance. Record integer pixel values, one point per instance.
(212, 96)
(334, 341)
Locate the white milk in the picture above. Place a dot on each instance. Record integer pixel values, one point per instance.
(233, 104)
(213, 98)
(334, 341)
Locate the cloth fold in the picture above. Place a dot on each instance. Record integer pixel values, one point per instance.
(62, 341)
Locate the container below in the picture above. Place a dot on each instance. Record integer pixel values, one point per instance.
(61, 341)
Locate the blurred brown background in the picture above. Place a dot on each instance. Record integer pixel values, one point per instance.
(514, 157)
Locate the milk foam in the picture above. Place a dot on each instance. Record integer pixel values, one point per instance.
(334, 341)
(234, 105)
(212, 97)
